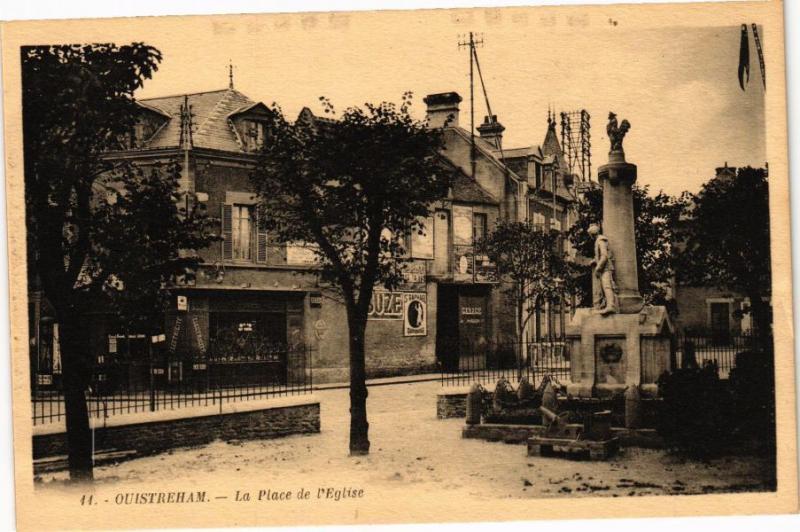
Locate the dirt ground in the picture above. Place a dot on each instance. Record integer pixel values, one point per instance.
(411, 448)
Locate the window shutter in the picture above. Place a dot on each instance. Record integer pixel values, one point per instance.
(261, 238)
(227, 232)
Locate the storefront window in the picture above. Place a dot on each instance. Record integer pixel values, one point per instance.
(128, 347)
(247, 336)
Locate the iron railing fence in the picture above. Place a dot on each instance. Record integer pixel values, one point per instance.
(718, 350)
(170, 383)
(487, 363)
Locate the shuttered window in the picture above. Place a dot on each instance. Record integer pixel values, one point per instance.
(243, 239)
(261, 238)
(227, 232)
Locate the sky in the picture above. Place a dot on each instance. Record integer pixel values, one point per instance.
(677, 87)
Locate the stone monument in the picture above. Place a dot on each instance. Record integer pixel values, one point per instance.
(620, 343)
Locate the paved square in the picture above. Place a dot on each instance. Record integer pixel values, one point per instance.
(411, 448)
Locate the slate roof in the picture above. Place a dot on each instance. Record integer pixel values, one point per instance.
(551, 147)
(486, 149)
(307, 116)
(464, 189)
(211, 112)
(513, 153)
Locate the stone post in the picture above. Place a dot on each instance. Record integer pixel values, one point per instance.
(617, 178)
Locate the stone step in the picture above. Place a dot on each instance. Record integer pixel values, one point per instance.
(595, 450)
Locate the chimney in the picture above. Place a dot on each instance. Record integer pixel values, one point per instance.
(492, 131)
(441, 107)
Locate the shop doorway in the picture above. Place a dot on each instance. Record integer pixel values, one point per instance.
(463, 328)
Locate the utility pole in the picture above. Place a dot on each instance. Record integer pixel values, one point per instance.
(471, 42)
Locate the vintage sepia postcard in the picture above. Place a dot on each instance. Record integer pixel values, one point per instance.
(422, 266)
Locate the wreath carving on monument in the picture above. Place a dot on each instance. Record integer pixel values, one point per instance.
(611, 353)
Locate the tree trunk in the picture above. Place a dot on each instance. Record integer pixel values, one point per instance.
(763, 324)
(359, 427)
(76, 375)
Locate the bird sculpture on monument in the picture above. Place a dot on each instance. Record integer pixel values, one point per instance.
(616, 132)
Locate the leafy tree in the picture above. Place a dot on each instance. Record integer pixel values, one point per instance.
(727, 239)
(99, 232)
(533, 265)
(656, 228)
(145, 238)
(354, 187)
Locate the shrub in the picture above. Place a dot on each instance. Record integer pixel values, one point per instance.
(694, 417)
(752, 384)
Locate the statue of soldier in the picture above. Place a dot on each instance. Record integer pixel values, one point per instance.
(604, 288)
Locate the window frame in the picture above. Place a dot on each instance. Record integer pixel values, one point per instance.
(254, 142)
(236, 232)
(258, 244)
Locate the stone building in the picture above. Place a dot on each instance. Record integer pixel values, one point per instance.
(707, 310)
(255, 300)
(473, 318)
(551, 193)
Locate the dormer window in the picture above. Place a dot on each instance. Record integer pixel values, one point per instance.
(250, 124)
(147, 122)
(135, 137)
(254, 134)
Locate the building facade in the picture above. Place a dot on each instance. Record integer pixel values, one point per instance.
(254, 304)
(708, 310)
(552, 193)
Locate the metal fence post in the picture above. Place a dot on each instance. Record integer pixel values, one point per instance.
(151, 377)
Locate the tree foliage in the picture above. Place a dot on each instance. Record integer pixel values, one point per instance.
(95, 224)
(727, 238)
(657, 231)
(532, 264)
(531, 260)
(144, 240)
(354, 187)
(99, 231)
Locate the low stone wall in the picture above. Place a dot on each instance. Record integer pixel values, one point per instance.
(504, 433)
(451, 404)
(191, 427)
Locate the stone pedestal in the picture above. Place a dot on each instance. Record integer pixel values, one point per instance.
(629, 349)
(617, 178)
(610, 353)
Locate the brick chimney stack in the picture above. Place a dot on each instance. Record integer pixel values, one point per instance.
(492, 131)
(441, 107)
